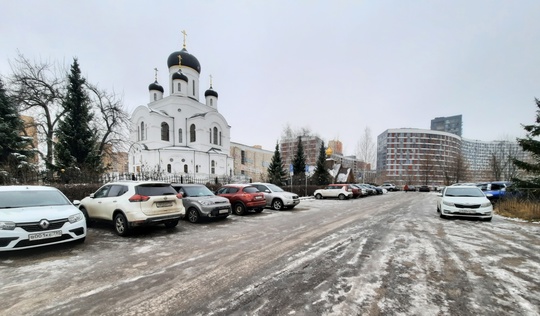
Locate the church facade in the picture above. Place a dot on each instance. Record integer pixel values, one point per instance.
(178, 134)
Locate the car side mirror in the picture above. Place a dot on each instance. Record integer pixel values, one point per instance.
(92, 195)
(76, 202)
(267, 191)
(439, 195)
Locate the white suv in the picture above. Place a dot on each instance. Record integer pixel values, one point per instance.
(276, 197)
(134, 203)
(389, 186)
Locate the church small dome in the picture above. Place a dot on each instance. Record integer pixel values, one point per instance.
(188, 60)
(155, 86)
(179, 75)
(210, 92)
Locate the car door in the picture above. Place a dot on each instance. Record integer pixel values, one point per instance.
(266, 191)
(105, 201)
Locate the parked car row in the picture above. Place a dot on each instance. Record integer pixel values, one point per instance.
(344, 191)
(495, 190)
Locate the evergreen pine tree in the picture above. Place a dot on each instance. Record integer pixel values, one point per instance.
(276, 174)
(76, 146)
(13, 146)
(530, 144)
(321, 174)
(299, 162)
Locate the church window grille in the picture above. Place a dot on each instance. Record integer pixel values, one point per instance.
(164, 131)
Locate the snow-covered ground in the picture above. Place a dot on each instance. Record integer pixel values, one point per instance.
(381, 255)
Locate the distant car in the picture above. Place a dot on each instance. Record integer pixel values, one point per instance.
(200, 202)
(243, 197)
(276, 197)
(424, 188)
(128, 204)
(34, 216)
(334, 191)
(409, 188)
(364, 191)
(464, 201)
(389, 186)
(496, 190)
(369, 190)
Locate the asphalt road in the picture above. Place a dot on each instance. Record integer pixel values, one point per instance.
(381, 255)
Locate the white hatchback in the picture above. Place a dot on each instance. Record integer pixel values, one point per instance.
(464, 201)
(34, 216)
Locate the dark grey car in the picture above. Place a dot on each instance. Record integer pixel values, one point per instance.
(200, 202)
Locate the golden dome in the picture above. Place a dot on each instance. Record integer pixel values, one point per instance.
(329, 152)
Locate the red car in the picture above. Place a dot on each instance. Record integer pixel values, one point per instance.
(243, 197)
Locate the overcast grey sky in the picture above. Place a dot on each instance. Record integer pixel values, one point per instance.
(335, 67)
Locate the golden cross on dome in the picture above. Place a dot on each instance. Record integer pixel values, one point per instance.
(179, 60)
(185, 34)
(155, 70)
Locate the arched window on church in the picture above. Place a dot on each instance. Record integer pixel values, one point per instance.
(210, 133)
(213, 167)
(185, 169)
(215, 136)
(180, 135)
(219, 138)
(179, 87)
(197, 168)
(193, 87)
(192, 134)
(165, 131)
(169, 168)
(211, 103)
(142, 130)
(155, 96)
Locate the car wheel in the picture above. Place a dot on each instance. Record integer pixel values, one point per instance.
(258, 210)
(487, 219)
(239, 209)
(443, 216)
(277, 204)
(318, 196)
(86, 217)
(341, 197)
(171, 224)
(193, 215)
(121, 225)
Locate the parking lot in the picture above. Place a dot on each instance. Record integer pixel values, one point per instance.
(382, 255)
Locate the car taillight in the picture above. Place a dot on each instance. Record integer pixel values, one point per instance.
(179, 196)
(139, 198)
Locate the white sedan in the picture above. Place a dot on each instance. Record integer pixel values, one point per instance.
(464, 201)
(33, 216)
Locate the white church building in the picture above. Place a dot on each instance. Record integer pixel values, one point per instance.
(177, 134)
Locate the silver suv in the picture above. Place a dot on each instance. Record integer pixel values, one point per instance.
(276, 197)
(199, 202)
(134, 203)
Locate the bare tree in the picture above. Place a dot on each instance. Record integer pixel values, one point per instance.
(111, 121)
(501, 160)
(365, 148)
(455, 170)
(39, 88)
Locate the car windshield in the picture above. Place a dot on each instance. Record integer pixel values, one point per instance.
(198, 191)
(464, 192)
(29, 198)
(275, 188)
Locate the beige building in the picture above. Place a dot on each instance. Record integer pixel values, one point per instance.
(251, 162)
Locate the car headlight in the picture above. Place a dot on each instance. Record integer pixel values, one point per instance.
(206, 202)
(486, 204)
(448, 203)
(7, 225)
(75, 218)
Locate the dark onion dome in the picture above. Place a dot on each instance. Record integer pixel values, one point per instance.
(155, 86)
(210, 92)
(179, 75)
(188, 60)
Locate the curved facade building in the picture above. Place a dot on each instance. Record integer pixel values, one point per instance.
(416, 156)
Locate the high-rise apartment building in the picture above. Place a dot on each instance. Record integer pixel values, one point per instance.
(449, 124)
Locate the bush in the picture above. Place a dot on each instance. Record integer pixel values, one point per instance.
(525, 209)
(77, 191)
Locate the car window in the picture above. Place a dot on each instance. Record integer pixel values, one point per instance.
(260, 187)
(155, 189)
(29, 198)
(117, 190)
(222, 191)
(231, 190)
(464, 192)
(275, 188)
(198, 191)
(103, 192)
(251, 189)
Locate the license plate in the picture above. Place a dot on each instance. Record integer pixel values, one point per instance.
(224, 211)
(45, 235)
(258, 197)
(468, 211)
(164, 204)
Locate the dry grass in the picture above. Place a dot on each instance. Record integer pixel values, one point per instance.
(516, 208)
